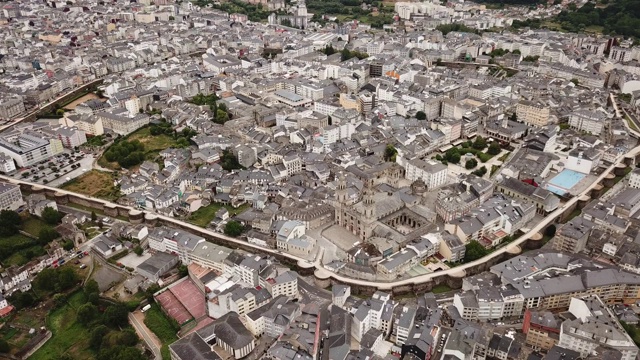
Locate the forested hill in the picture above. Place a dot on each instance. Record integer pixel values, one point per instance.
(617, 17)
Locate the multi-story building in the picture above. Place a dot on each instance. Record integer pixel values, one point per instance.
(431, 172)
(544, 199)
(460, 198)
(6, 164)
(595, 327)
(26, 149)
(550, 279)
(71, 137)
(489, 303)
(285, 284)
(572, 237)
(533, 113)
(542, 329)
(634, 178)
(120, 121)
(10, 196)
(591, 122)
(11, 107)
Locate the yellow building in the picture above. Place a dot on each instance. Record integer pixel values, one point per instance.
(533, 113)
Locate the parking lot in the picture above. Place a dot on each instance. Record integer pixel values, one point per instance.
(57, 169)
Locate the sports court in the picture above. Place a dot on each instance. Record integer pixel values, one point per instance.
(564, 181)
(190, 297)
(173, 307)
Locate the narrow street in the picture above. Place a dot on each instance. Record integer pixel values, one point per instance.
(137, 320)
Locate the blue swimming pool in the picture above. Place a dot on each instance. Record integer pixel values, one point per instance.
(564, 181)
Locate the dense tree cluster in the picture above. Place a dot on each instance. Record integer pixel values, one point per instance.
(347, 54)
(620, 17)
(474, 251)
(51, 216)
(126, 153)
(9, 223)
(447, 28)
(390, 153)
(229, 161)
(233, 228)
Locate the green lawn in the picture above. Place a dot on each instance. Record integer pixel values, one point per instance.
(203, 216)
(162, 326)
(439, 289)
(153, 144)
(22, 257)
(69, 337)
(33, 225)
(631, 124)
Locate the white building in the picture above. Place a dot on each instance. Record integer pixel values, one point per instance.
(432, 173)
(10, 196)
(26, 149)
(588, 121)
(6, 164)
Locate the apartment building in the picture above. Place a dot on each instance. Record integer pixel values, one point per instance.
(534, 113)
(542, 329)
(595, 327)
(11, 107)
(572, 237)
(431, 172)
(285, 284)
(591, 122)
(10, 196)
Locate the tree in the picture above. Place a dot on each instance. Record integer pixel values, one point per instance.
(67, 278)
(494, 148)
(116, 315)
(470, 164)
(390, 153)
(94, 217)
(480, 143)
(60, 112)
(474, 251)
(550, 231)
(46, 279)
(9, 223)
(229, 161)
(59, 300)
(97, 334)
(67, 245)
(91, 286)
(86, 313)
(221, 116)
(233, 228)
(183, 271)
(22, 300)
(420, 115)
(4, 346)
(138, 250)
(481, 171)
(51, 216)
(575, 82)
(45, 236)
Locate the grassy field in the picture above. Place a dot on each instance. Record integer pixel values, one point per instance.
(152, 145)
(203, 216)
(69, 337)
(158, 322)
(24, 249)
(33, 226)
(439, 289)
(94, 183)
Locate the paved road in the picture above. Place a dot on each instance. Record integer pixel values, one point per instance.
(150, 338)
(322, 272)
